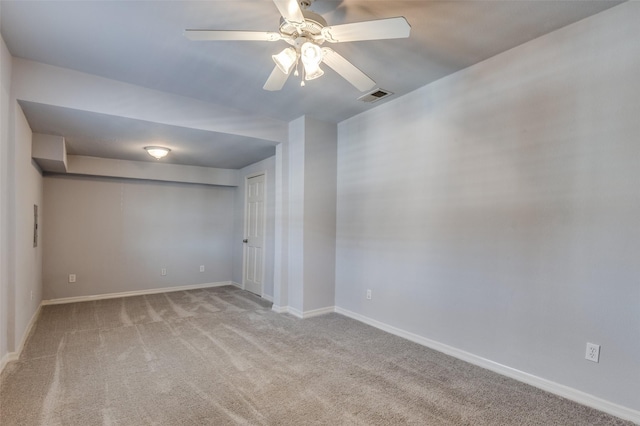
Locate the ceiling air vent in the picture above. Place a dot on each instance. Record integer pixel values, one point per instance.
(375, 96)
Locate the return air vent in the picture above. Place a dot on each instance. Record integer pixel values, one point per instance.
(375, 96)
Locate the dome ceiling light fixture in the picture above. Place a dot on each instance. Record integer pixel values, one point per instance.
(306, 31)
(157, 152)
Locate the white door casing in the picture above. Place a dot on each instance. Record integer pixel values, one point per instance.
(253, 269)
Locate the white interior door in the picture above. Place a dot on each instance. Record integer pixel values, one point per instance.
(254, 235)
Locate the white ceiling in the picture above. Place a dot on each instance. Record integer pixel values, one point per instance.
(141, 42)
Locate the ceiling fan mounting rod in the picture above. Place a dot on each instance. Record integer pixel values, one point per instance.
(304, 4)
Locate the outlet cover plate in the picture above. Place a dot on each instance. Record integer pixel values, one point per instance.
(593, 352)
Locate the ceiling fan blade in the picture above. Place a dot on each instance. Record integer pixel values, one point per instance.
(368, 30)
(290, 10)
(347, 70)
(276, 80)
(216, 35)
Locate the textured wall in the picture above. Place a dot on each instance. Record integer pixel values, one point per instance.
(20, 189)
(496, 210)
(311, 224)
(5, 90)
(27, 269)
(320, 150)
(116, 235)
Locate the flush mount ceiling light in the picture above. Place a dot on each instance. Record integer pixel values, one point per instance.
(157, 152)
(306, 31)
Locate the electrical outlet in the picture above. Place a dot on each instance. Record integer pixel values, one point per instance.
(163, 271)
(593, 352)
(201, 268)
(72, 278)
(368, 294)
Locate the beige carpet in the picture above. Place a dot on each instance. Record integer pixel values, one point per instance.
(220, 356)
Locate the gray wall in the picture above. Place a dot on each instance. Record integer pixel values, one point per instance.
(320, 163)
(310, 215)
(267, 166)
(20, 189)
(5, 90)
(281, 240)
(27, 259)
(117, 234)
(295, 213)
(496, 210)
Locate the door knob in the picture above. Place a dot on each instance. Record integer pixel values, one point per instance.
(245, 241)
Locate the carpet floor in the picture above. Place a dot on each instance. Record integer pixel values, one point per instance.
(220, 356)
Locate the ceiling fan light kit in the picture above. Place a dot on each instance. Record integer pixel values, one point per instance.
(286, 59)
(306, 31)
(311, 54)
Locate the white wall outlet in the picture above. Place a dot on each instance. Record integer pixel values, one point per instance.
(368, 294)
(72, 278)
(163, 271)
(593, 352)
(201, 268)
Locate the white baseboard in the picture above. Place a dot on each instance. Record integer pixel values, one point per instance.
(27, 331)
(302, 315)
(267, 297)
(14, 356)
(295, 312)
(317, 312)
(134, 293)
(240, 286)
(7, 358)
(280, 309)
(544, 384)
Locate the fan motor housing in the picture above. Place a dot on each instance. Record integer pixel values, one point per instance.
(311, 28)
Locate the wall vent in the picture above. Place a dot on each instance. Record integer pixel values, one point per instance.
(375, 96)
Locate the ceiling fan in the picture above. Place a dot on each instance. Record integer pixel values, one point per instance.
(306, 31)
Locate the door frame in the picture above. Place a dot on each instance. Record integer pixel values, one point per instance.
(244, 228)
